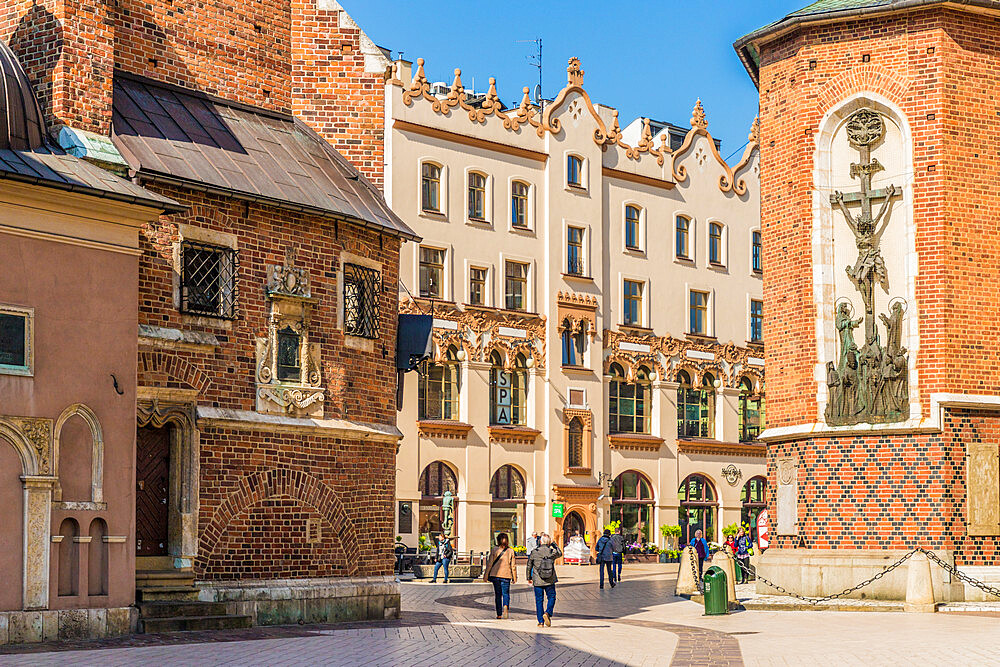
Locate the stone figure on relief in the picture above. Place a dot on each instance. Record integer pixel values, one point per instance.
(869, 268)
(834, 389)
(846, 326)
(894, 327)
(447, 512)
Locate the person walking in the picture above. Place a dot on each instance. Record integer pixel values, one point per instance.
(500, 572)
(605, 558)
(444, 554)
(743, 546)
(701, 548)
(617, 553)
(531, 543)
(541, 573)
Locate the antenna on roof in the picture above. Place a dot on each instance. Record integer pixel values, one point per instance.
(535, 60)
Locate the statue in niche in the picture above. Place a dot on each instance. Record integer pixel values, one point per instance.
(447, 512)
(871, 383)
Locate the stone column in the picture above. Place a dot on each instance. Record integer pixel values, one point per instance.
(727, 414)
(37, 529)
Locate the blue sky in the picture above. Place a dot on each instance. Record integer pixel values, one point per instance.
(645, 59)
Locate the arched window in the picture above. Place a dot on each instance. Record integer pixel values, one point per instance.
(751, 412)
(574, 171)
(574, 343)
(632, 504)
(508, 391)
(698, 506)
(430, 187)
(682, 237)
(715, 243)
(477, 196)
(519, 204)
(629, 403)
(753, 499)
(756, 253)
(632, 227)
(435, 480)
(507, 506)
(695, 407)
(575, 444)
(438, 390)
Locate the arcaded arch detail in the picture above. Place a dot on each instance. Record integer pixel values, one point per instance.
(97, 453)
(861, 79)
(26, 451)
(296, 484)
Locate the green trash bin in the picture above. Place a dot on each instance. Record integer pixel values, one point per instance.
(716, 594)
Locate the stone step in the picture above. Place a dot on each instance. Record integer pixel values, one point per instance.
(165, 578)
(171, 609)
(163, 593)
(189, 623)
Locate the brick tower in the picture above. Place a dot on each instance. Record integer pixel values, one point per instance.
(879, 214)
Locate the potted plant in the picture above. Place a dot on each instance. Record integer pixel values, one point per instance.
(520, 555)
(670, 535)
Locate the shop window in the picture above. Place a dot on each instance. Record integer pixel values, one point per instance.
(698, 508)
(430, 187)
(629, 403)
(695, 407)
(208, 280)
(438, 389)
(507, 506)
(751, 412)
(436, 480)
(508, 391)
(632, 504)
(753, 500)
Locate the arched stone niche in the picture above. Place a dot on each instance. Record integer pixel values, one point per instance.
(834, 245)
(70, 434)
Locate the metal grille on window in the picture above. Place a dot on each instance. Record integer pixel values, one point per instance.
(362, 289)
(208, 280)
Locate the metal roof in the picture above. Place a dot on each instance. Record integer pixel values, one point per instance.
(177, 135)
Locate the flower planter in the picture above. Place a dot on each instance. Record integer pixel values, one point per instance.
(641, 558)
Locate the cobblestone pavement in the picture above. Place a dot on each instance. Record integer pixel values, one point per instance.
(637, 623)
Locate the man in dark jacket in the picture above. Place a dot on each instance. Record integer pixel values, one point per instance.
(605, 557)
(444, 554)
(617, 553)
(542, 574)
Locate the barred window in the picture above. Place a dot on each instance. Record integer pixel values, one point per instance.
(208, 280)
(574, 251)
(362, 289)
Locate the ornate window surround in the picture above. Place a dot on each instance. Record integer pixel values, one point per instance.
(587, 417)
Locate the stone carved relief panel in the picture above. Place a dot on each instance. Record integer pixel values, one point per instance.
(983, 484)
(788, 497)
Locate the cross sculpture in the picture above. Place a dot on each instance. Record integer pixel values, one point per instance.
(867, 385)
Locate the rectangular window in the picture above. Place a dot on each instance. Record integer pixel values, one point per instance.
(756, 320)
(477, 286)
(477, 196)
(430, 187)
(289, 355)
(574, 251)
(756, 254)
(431, 273)
(516, 285)
(699, 312)
(632, 228)
(519, 204)
(362, 290)
(632, 302)
(208, 280)
(15, 341)
(574, 171)
(683, 229)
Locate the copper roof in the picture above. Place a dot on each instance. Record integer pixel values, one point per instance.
(177, 135)
(27, 155)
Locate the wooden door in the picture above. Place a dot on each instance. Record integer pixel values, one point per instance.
(152, 475)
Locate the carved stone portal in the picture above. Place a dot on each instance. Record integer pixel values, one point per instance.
(868, 384)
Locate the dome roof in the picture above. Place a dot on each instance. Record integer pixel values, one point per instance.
(22, 127)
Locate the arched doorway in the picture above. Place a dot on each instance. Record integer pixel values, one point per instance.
(507, 506)
(632, 504)
(699, 505)
(437, 478)
(753, 498)
(572, 525)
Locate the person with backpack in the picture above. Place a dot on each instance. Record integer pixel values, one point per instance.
(743, 547)
(444, 554)
(605, 558)
(542, 574)
(617, 553)
(500, 572)
(701, 548)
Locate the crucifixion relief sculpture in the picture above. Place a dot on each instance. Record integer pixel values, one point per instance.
(868, 384)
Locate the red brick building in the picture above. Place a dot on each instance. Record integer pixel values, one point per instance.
(266, 441)
(923, 472)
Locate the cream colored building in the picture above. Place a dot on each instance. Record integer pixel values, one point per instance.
(588, 285)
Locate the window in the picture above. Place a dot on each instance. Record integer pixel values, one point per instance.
(477, 196)
(756, 253)
(208, 280)
(574, 171)
(430, 187)
(753, 498)
(362, 292)
(698, 506)
(508, 391)
(519, 204)
(632, 227)
(436, 480)
(438, 390)
(16, 338)
(477, 286)
(629, 403)
(715, 243)
(682, 235)
(632, 302)
(574, 251)
(507, 506)
(756, 320)
(574, 341)
(695, 407)
(516, 286)
(575, 444)
(698, 321)
(431, 272)
(632, 505)
(751, 412)
(289, 365)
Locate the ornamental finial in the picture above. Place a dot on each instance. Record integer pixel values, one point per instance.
(698, 119)
(574, 75)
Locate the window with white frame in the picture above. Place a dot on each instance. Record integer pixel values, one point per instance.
(575, 265)
(16, 340)
(632, 293)
(756, 320)
(430, 187)
(633, 218)
(477, 196)
(515, 285)
(682, 237)
(519, 204)
(756, 252)
(698, 312)
(574, 171)
(478, 277)
(716, 244)
(431, 272)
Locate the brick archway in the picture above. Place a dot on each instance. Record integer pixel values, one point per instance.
(296, 484)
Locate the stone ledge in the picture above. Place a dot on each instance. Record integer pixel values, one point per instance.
(254, 421)
(175, 338)
(25, 627)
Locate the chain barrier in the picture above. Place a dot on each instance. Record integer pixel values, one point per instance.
(694, 570)
(960, 575)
